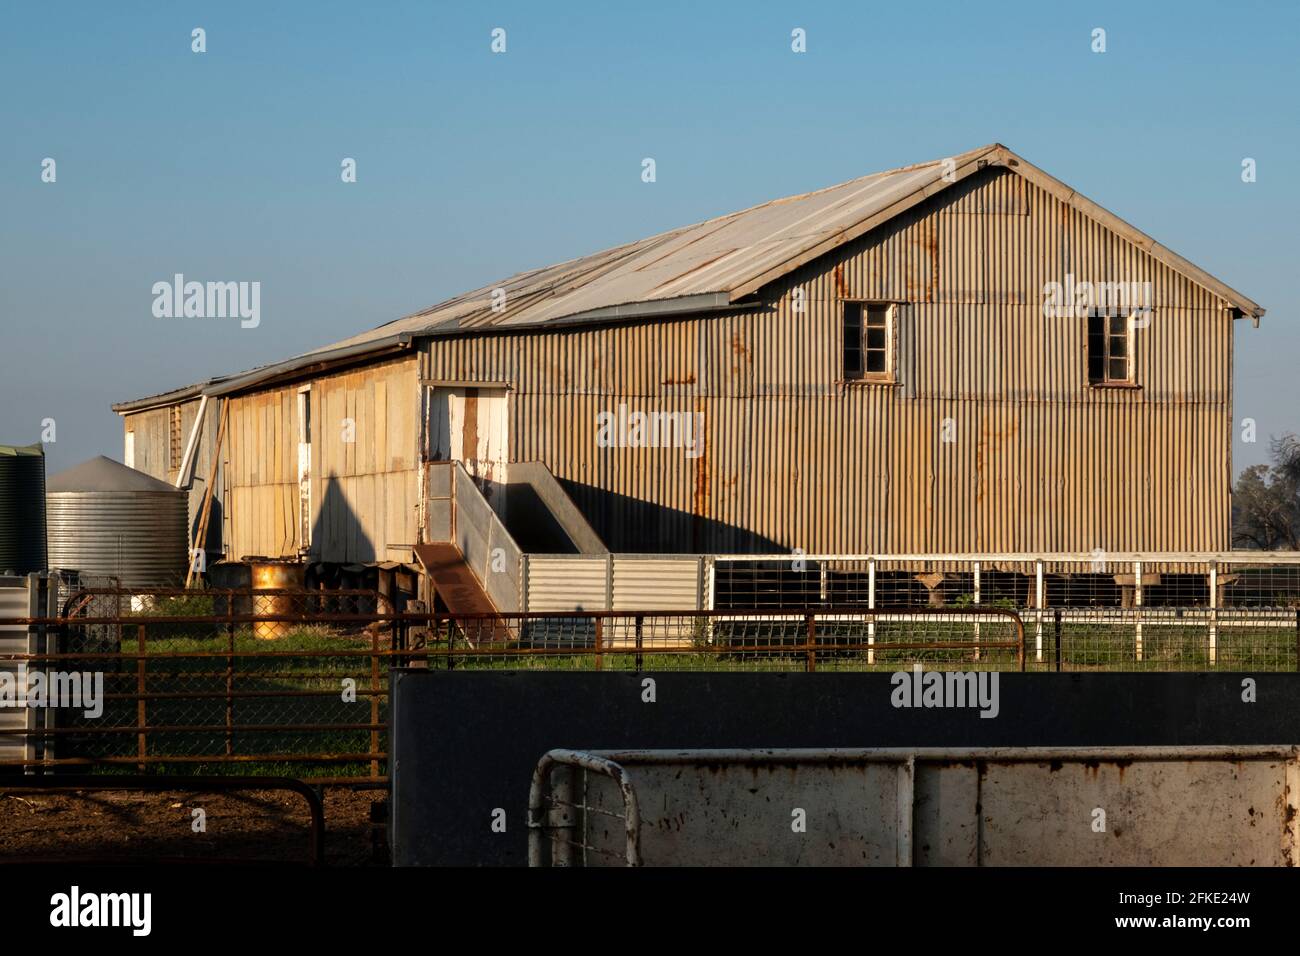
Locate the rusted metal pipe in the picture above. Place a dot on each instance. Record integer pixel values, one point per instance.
(540, 787)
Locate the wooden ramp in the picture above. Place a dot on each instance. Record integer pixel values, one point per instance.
(452, 579)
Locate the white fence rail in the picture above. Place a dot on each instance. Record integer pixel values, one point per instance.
(1237, 609)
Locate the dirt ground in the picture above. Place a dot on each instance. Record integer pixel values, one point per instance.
(253, 825)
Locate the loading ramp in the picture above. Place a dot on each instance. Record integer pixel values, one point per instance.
(454, 584)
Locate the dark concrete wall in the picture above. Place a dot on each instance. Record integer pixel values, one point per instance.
(466, 743)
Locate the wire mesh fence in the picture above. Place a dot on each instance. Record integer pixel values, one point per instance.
(295, 682)
(174, 681)
(1099, 612)
(750, 640)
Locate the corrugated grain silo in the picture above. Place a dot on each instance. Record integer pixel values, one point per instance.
(107, 519)
(22, 509)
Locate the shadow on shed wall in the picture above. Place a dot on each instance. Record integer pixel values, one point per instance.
(337, 533)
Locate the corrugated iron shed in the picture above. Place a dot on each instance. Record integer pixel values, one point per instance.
(704, 267)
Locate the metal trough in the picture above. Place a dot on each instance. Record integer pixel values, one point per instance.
(1132, 806)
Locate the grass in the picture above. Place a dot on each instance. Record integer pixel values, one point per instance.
(1171, 647)
(306, 639)
(1087, 646)
(182, 680)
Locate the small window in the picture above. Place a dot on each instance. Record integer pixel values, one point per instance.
(1110, 350)
(868, 341)
(175, 440)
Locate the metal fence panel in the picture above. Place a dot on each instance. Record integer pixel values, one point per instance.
(15, 602)
(971, 807)
(567, 583)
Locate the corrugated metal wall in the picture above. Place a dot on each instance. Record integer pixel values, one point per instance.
(567, 584)
(16, 601)
(364, 492)
(795, 458)
(613, 582)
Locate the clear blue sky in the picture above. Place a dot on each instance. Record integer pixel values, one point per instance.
(473, 166)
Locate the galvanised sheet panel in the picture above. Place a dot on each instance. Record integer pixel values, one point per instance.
(14, 639)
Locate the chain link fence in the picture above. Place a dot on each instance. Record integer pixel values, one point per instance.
(174, 681)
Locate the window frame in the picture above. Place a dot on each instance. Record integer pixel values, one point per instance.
(864, 376)
(1108, 336)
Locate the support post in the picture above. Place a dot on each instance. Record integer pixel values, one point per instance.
(141, 712)
(201, 532)
(230, 675)
(1038, 610)
(1214, 612)
(1056, 626)
(374, 703)
(1137, 607)
(871, 604)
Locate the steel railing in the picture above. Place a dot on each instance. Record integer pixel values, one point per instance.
(197, 692)
(547, 802)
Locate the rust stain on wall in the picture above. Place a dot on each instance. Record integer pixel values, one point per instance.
(740, 352)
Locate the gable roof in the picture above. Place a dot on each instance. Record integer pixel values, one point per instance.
(706, 266)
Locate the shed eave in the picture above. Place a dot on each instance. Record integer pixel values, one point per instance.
(326, 358)
(163, 398)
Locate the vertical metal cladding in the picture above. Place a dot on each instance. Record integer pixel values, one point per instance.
(107, 519)
(989, 440)
(22, 509)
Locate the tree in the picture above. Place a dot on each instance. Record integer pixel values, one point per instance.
(1286, 456)
(1266, 500)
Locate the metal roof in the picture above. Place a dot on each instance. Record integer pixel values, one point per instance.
(22, 451)
(105, 474)
(703, 267)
